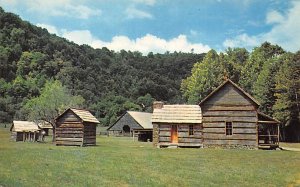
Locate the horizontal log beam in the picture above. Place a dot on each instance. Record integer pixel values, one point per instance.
(69, 139)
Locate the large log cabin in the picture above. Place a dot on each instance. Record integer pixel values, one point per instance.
(76, 127)
(227, 117)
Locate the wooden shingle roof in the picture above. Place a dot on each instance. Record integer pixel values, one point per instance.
(142, 118)
(84, 115)
(266, 118)
(44, 124)
(24, 126)
(178, 114)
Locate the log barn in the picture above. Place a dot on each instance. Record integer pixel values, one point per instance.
(76, 127)
(176, 125)
(135, 124)
(227, 117)
(24, 131)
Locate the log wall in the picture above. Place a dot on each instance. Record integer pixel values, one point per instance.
(229, 105)
(69, 130)
(162, 134)
(89, 136)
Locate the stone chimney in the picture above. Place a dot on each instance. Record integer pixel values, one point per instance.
(157, 105)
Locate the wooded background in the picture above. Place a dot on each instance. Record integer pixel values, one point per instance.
(108, 83)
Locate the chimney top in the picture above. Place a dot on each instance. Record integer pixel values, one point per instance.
(158, 105)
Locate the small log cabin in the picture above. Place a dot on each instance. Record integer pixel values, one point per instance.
(24, 131)
(76, 127)
(135, 124)
(227, 117)
(176, 125)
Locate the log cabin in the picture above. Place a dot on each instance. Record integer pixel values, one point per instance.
(24, 131)
(227, 117)
(76, 127)
(231, 119)
(176, 125)
(134, 124)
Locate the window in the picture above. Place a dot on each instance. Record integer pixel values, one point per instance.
(191, 129)
(228, 128)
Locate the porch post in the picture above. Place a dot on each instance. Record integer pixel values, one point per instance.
(278, 133)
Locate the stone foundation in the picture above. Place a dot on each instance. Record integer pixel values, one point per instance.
(231, 147)
(155, 135)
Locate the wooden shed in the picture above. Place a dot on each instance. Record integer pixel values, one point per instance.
(176, 125)
(133, 123)
(231, 118)
(76, 127)
(24, 131)
(45, 126)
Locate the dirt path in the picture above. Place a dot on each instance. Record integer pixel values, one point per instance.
(290, 149)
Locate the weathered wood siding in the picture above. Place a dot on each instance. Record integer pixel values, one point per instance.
(184, 137)
(89, 134)
(69, 130)
(162, 134)
(229, 105)
(125, 120)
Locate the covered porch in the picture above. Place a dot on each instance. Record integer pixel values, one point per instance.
(268, 132)
(143, 135)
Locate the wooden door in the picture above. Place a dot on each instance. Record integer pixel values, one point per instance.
(174, 134)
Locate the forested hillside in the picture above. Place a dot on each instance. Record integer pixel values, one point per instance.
(110, 82)
(268, 73)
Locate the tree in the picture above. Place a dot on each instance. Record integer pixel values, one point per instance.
(287, 92)
(54, 99)
(206, 76)
(264, 86)
(254, 64)
(145, 102)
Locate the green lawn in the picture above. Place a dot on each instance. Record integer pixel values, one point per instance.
(122, 162)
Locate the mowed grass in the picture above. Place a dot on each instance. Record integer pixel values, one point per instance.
(122, 162)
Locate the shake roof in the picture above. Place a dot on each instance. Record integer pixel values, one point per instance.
(178, 114)
(84, 115)
(142, 118)
(44, 124)
(24, 126)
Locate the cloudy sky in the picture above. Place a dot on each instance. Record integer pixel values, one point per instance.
(166, 25)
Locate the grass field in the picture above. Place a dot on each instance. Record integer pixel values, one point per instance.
(121, 162)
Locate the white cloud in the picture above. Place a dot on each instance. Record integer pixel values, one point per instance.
(285, 31)
(8, 2)
(51, 29)
(133, 12)
(242, 40)
(274, 17)
(145, 44)
(66, 8)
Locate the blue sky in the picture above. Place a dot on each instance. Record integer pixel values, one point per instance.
(166, 25)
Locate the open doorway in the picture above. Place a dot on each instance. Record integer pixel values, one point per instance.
(126, 130)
